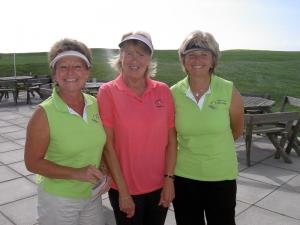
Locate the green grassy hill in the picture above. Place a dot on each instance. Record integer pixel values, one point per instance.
(277, 73)
(274, 72)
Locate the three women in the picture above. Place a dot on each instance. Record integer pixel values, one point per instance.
(138, 117)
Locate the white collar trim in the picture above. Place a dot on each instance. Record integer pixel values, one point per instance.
(200, 103)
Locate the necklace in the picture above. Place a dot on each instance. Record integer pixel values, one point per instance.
(197, 94)
(195, 85)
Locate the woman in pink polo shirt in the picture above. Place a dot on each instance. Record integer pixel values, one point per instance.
(138, 117)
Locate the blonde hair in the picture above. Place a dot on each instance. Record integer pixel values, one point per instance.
(202, 41)
(116, 62)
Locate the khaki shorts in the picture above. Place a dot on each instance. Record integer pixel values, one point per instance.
(55, 210)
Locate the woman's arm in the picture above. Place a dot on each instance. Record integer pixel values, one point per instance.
(37, 141)
(168, 192)
(126, 203)
(236, 114)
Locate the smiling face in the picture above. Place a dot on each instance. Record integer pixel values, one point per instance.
(135, 61)
(198, 62)
(71, 73)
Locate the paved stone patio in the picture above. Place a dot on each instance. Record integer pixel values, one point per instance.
(268, 191)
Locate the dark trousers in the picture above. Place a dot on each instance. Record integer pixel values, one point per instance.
(147, 210)
(196, 201)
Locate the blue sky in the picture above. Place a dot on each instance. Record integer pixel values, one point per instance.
(34, 25)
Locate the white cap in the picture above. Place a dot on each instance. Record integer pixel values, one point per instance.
(138, 37)
(69, 53)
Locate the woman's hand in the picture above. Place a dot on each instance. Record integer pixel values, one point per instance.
(168, 193)
(89, 173)
(106, 186)
(127, 205)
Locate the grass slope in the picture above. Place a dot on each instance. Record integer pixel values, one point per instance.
(274, 72)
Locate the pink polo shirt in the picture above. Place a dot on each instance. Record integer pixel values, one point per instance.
(141, 125)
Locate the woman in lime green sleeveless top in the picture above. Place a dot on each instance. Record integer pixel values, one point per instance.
(64, 143)
(209, 117)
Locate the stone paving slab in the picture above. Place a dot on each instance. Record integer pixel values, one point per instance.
(2, 139)
(4, 220)
(12, 156)
(20, 141)
(257, 154)
(240, 207)
(293, 184)
(17, 189)
(8, 146)
(257, 216)
(242, 164)
(20, 168)
(4, 123)
(21, 122)
(251, 191)
(7, 174)
(295, 166)
(10, 129)
(23, 212)
(268, 174)
(15, 135)
(287, 202)
(10, 116)
(31, 178)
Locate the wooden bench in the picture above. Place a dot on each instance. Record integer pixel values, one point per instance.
(34, 85)
(276, 126)
(7, 86)
(46, 90)
(294, 104)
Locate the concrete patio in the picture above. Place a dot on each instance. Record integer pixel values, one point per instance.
(268, 191)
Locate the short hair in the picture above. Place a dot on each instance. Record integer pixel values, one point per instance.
(116, 63)
(68, 44)
(202, 41)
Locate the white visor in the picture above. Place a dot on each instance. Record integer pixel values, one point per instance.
(69, 53)
(139, 38)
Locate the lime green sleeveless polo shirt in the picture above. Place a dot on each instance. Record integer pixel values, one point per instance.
(206, 149)
(74, 143)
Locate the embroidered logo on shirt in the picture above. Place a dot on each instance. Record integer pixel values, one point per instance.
(214, 104)
(158, 103)
(95, 118)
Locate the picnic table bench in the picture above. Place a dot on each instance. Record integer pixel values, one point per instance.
(276, 126)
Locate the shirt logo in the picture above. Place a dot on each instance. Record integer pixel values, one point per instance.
(158, 103)
(95, 118)
(216, 103)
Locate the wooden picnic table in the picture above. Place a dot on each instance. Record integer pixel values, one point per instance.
(276, 126)
(93, 85)
(90, 88)
(257, 104)
(16, 78)
(14, 84)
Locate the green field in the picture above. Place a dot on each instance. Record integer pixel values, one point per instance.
(273, 72)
